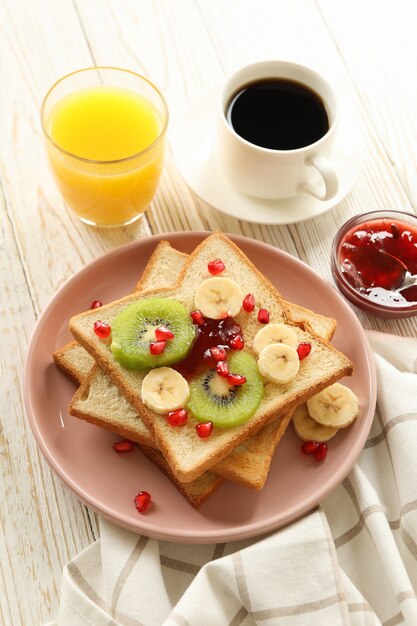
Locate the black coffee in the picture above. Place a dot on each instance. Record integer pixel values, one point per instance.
(277, 113)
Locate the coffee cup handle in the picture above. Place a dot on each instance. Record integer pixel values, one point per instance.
(328, 175)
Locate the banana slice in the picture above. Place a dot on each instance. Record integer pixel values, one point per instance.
(279, 363)
(274, 333)
(336, 406)
(164, 390)
(217, 297)
(308, 429)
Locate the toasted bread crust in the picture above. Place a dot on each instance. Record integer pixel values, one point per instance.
(60, 361)
(270, 435)
(64, 362)
(154, 260)
(194, 492)
(117, 429)
(310, 321)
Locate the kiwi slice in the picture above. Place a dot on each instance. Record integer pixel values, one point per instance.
(213, 399)
(133, 330)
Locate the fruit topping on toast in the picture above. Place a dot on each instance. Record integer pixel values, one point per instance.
(279, 363)
(177, 418)
(164, 390)
(226, 400)
(204, 429)
(274, 333)
(102, 329)
(263, 316)
(216, 267)
(249, 302)
(218, 297)
(151, 333)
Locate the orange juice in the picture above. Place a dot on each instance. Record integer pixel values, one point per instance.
(106, 148)
(104, 123)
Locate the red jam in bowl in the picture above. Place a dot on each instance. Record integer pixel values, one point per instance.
(375, 262)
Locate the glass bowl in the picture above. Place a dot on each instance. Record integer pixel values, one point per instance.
(349, 276)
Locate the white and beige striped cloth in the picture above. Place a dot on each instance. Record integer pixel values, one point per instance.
(351, 562)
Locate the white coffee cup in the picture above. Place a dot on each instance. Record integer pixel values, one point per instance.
(269, 173)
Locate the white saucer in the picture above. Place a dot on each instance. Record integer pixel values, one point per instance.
(192, 140)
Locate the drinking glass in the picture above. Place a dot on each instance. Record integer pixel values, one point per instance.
(91, 119)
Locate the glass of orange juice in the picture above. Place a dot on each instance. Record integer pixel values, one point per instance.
(105, 131)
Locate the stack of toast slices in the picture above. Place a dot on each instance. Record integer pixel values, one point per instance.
(109, 395)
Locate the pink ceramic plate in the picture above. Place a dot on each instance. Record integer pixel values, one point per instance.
(82, 455)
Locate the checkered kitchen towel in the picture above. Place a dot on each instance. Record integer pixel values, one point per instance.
(351, 562)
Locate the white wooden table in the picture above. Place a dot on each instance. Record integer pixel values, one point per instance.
(367, 47)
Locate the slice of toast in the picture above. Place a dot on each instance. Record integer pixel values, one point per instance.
(247, 464)
(187, 455)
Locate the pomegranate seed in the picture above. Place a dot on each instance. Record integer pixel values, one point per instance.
(163, 333)
(263, 316)
(178, 417)
(303, 350)
(218, 353)
(222, 369)
(236, 380)
(197, 317)
(96, 304)
(321, 452)
(158, 347)
(309, 447)
(237, 342)
(249, 302)
(142, 500)
(204, 429)
(102, 329)
(123, 446)
(216, 267)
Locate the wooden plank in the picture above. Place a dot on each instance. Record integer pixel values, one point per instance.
(382, 60)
